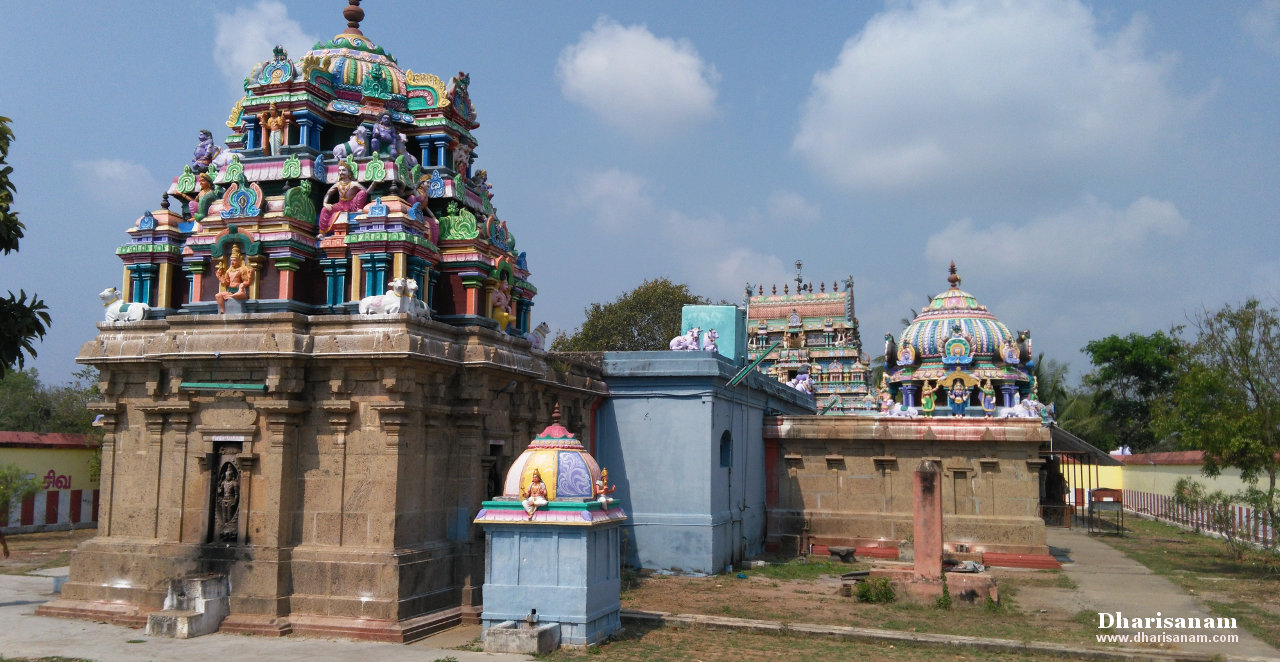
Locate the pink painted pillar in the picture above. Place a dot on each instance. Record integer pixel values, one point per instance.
(928, 522)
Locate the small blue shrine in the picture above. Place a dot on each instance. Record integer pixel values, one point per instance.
(552, 543)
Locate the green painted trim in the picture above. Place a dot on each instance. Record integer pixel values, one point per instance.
(551, 505)
(128, 249)
(752, 366)
(364, 237)
(221, 386)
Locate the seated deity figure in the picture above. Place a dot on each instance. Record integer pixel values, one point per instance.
(275, 130)
(535, 495)
(345, 195)
(198, 201)
(503, 310)
(236, 277)
(206, 151)
(384, 136)
(602, 489)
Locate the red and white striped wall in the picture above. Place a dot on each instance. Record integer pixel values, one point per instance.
(54, 510)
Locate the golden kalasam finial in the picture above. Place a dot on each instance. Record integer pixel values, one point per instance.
(953, 278)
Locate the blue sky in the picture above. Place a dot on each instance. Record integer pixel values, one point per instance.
(1092, 168)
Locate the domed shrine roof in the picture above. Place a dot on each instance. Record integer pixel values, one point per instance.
(569, 475)
(955, 332)
(559, 458)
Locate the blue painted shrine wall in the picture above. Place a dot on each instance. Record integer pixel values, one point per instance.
(692, 507)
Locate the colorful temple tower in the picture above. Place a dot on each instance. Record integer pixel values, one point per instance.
(317, 467)
(957, 353)
(343, 173)
(816, 334)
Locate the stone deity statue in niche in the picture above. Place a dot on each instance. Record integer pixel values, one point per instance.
(228, 504)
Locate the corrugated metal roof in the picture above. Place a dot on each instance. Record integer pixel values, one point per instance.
(43, 440)
(1064, 442)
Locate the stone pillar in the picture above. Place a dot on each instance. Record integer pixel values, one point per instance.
(1008, 395)
(927, 506)
(287, 266)
(335, 274)
(910, 395)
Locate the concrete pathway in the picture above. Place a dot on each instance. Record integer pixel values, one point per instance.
(23, 634)
(1111, 582)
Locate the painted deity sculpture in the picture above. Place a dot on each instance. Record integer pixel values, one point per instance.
(928, 401)
(959, 397)
(345, 195)
(602, 489)
(535, 495)
(384, 136)
(198, 202)
(236, 277)
(275, 130)
(503, 307)
(988, 399)
(206, 151)
(538, 336)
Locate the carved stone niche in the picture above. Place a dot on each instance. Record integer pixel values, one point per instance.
(227, 495)
(227, 468)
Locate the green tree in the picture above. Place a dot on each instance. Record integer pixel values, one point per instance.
(15, 486)
(1130, 375)
(22, 321)
(646, 318)
(1227, 396)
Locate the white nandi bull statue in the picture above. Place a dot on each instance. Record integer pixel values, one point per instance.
(118, 310)
(687, 342)
(398, 299)
(357, 145)
(538, 336)
(709, 341)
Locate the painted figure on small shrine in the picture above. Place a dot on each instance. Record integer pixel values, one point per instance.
(535, 495)
(236, 277)
(384, 136)
(602, 489)
(345, 195)
(959, 396)
(275, 130)
(206, 151)
(988, 399)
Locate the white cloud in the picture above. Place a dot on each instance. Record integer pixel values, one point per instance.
(636, 81)
(789, 208)
(1091, 242)
(974, 93)
(613, 199)
(119, 184)
(1262, 22)
(246, 36)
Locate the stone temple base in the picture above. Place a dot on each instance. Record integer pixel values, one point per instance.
(968, 587)
(519, 637)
